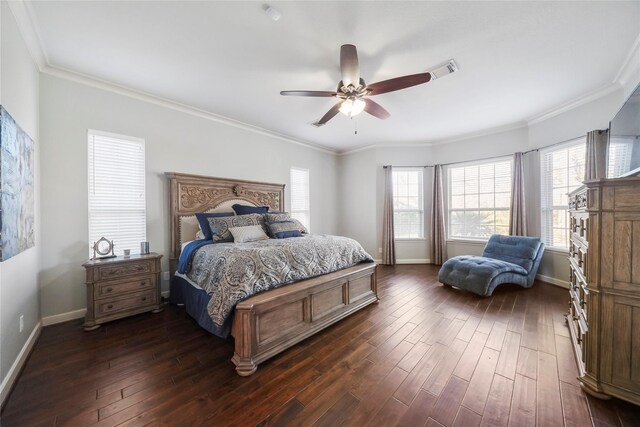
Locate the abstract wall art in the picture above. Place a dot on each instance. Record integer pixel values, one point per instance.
(16, 188)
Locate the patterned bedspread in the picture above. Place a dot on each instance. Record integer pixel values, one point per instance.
(232, 272)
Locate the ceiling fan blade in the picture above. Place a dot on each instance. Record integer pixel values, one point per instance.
(330, 114)
(349, 65)
(398, 83)
(375, 109)
(319, 93)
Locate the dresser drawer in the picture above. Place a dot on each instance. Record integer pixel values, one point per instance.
(124, 269)
(118, 287)
(107, 306)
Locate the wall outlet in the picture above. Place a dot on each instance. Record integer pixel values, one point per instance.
(166, 275)
(21, 323)
(379, 250)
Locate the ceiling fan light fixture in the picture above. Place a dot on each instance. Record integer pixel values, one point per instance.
(352, 107)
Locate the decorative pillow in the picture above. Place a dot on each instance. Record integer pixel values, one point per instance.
(200, 234)
(246, 209)
(203, 218)
(284, 229)
(248, 233)
(285, 216)
(220, 225)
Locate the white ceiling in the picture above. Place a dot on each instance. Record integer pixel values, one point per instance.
(517, 59)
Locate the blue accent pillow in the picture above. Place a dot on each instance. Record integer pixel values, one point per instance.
(283, 229)
(203, 220)
(246, 209)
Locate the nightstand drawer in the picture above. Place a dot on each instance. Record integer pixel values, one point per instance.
(124, 269)
(131, 301)
(118, 287)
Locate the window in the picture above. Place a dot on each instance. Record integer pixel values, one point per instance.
(300, 195)
(562, 171)
(408, 206)
(479, 199)
(620, 150)
(116, 191)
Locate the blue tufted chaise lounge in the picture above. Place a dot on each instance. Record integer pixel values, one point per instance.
(506, 259)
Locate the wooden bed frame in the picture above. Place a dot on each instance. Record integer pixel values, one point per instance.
(268, 323)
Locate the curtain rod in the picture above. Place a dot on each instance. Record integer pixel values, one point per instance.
(492, 157)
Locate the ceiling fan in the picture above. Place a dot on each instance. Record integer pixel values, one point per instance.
(354, 93)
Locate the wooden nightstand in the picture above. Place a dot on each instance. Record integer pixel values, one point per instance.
(120, 287)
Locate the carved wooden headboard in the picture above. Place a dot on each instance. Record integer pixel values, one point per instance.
(189, 194)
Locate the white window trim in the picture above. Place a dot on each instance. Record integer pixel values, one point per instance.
(308, 210)
(421, 194)
(447, 197)
(96, 133)
(541, 152)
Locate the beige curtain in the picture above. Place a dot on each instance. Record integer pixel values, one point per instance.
(596, 156)
(518, 217)
(438, 237)
(388, 242)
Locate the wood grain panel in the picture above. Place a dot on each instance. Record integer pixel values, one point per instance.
(523, 403)
(622, 337)
(622, 254)
(272, 324)
(496, 412)
(549, 406)
(635, 345)
(328, 301)
(446, 407)
(509, 356)
(480, 383)
(360, 288)
(606, 267)
(635, 254)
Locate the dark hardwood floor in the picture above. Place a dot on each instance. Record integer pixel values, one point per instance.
(425, 355)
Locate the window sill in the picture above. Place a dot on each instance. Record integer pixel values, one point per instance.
(468, 241)
(408, 239)
(557, 250)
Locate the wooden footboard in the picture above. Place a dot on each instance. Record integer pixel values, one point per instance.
(269, 323)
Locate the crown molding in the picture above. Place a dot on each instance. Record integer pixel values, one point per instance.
(630, 67)
(25, 19)
(356, 150)
(176, 106)
(575, 103)
(480, 133)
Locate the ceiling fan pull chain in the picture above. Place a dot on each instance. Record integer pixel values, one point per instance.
(355, 125)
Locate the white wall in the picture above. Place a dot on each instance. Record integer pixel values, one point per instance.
(19, 274)
(357, 198)
(175, 142)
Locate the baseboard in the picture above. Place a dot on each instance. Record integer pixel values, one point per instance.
(553, 281)
(15, 369)
(407, 261)
(64, 317)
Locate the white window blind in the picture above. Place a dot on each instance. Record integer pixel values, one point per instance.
(479, 199)
(561, 171)
(300, 196)
(408, 204)
(116, 191)
(620, 150)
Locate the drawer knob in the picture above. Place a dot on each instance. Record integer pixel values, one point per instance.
(144, 298)
(144, 282)
(109, 289)
(110, 306)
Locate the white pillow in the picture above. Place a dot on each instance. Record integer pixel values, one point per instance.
(248, 233)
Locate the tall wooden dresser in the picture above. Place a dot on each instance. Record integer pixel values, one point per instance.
(604, 307)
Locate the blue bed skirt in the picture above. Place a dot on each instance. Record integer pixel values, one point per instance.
(195, 302)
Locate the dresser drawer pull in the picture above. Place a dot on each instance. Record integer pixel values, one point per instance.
(109, 289)
(110, 306)
(144, 298)
(144, 282)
